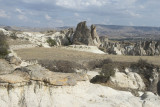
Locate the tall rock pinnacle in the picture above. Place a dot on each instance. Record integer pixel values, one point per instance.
(83, 35)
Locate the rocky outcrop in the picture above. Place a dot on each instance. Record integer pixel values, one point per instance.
(154, 79)
(83, 35)
(5, 67)
(95, 37)
(38, 73)
(144, 48)
(128, 80)
(61, 38)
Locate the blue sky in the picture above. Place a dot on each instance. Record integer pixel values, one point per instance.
(56, 13)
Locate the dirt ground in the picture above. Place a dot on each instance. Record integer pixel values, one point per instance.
(77, 56)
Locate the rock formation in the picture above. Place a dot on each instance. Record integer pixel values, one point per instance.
(128, 80)
(83, 35)
(95, 37)
(144, 48)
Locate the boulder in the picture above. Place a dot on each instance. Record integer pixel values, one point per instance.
(128, 80)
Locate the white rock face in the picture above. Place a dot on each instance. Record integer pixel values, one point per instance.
(84, 94)
(128, 80)
(117, 52)
(85, 48)
(5, 32)
(41, 39)
(37, 38)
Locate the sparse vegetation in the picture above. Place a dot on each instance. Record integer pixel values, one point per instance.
(51, 42)
(106, 72)
(102, 49)
(3, 45)
(145, 69)
(60, 66)
(13, 35)
(78, 56)
(98, 63)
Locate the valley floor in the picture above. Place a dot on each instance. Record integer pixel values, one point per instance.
(61, 53)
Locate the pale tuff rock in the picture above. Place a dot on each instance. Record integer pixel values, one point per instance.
(95, 36)
(84, 48)
(154, 79)
(40, 39)
(15, 77)
(82, 94)
(145, 48)
(104, 41)
(38, 73)
(128, 80)
(83, 35)
(5, 32)
(5, 67)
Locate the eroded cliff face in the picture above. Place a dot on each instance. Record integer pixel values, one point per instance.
(145, 48)
(35, 86)
(38, 94)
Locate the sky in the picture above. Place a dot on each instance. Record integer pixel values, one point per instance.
(58, 13)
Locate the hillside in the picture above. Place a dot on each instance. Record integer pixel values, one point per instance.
(117, 31)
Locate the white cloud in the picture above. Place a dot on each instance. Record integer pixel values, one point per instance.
(19, 11)
(131, 24)
(48, 17)
(59, 21)
(131, 13)
(79, 4)
(142, 6)
(22, 17)
(3, 14)
(76, 14)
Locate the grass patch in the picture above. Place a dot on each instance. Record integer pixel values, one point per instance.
(3, 45)
(51, 42)
(60, 66)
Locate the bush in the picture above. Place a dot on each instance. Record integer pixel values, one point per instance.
(98, 63)
(13, 35)
(3, 45)
(103, 49)
(60, 66)
(142, 64)
(108, 70)
(51, 42)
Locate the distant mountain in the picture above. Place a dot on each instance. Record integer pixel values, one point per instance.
(111, 31)
(116, 31)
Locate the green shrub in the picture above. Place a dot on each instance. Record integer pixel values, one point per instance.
(13, 35)
(51, 42)
(108, 70)
(3, 45)
(103, 49)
